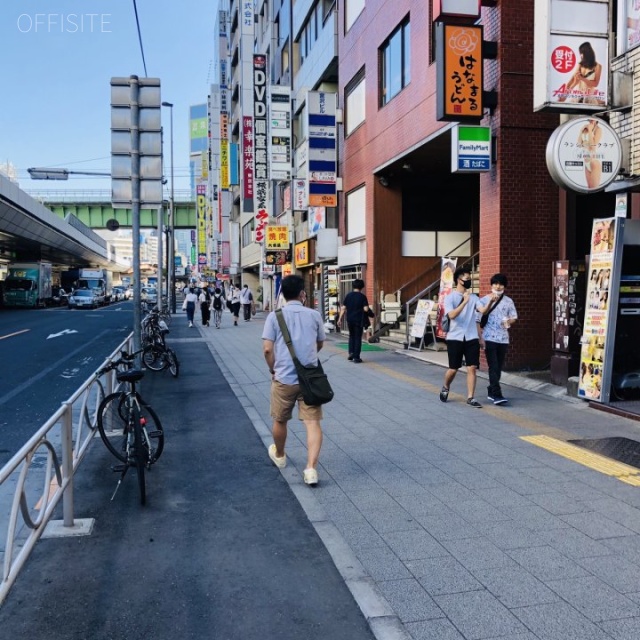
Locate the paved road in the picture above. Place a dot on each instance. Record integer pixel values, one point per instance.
(443, 522)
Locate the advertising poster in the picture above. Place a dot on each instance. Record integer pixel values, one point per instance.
(579, 70)
(317, 219)
(632, 23)
(596, 316)
(446, 286)
(421, 318)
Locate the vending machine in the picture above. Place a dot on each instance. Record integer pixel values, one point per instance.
(610, 356)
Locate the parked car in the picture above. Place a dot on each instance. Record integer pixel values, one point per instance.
(149, 295)
(117, 294)
(84, 299)
(128, 292)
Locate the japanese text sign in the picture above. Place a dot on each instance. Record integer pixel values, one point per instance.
(459, 72)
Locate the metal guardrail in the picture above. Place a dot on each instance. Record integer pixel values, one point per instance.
(63, 441)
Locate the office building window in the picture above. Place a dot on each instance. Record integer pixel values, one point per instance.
(352, 9)
(356, 213)
(395, 63)
(355, 102)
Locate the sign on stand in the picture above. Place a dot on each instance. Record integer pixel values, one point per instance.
(421, 322)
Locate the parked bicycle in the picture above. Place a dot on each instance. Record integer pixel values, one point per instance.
(128, 426)
(157, 356)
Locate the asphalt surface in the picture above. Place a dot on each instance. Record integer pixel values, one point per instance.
(431, 520)
(222, 550)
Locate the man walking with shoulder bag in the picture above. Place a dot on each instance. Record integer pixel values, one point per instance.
(496, 321)
(306, 330)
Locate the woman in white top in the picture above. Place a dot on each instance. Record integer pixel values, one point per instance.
(191, 298)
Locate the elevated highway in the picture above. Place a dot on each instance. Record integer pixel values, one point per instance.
(29, 231)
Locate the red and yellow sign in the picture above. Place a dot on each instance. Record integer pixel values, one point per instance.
(287, 269)
(460, 72)
(277, 237)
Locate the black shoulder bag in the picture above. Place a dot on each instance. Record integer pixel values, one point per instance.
(485, 316)
(313, 381)
(445, 323)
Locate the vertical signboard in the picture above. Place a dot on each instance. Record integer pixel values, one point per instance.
(260, 165)
(201, 225)
(322, 169)
(459, 72)
(247, 162)
(280, 133)
(224, 151)
(597, 341)
(571, 55)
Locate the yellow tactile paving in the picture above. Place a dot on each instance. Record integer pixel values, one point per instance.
(595, 461)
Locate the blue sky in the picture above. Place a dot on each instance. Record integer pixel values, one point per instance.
(57, 63)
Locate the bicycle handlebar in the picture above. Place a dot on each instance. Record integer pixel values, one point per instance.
(125, 358)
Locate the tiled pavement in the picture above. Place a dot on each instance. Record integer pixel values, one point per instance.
(444, 523)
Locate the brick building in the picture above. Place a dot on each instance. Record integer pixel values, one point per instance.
(395, 159)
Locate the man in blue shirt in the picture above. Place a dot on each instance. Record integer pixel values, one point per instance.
(306, 329)
(462, 339)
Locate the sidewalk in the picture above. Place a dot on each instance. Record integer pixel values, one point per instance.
(434, 521)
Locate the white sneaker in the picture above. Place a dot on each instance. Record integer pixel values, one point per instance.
(281, 463)
(191, 324)
(310, 477)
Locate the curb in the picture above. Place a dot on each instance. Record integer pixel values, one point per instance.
(383, 622)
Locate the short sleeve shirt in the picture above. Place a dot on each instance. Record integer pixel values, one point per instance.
(355, 302)
(494, 330)
(305, 328)
(462, 327)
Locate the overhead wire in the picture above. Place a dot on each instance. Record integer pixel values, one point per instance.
(144, 64)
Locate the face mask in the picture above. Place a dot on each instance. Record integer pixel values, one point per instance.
(496, 292)
(467, 284)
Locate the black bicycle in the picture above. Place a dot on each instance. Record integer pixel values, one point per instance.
(128, 426)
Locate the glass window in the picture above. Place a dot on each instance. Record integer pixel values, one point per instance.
(355, 102)
(352, 9)
(395, 61)
(356, 213)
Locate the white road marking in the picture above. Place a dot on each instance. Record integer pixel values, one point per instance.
(17, 333)
(57, 335)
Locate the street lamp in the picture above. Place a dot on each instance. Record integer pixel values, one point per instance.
(171, 284)
(43, 173)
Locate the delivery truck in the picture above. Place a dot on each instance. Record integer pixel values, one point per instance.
(100, 281)
(28, 284)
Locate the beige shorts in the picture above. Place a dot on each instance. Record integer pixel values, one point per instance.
(284, 398)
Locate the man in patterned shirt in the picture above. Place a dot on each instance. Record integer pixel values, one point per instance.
(495, 334)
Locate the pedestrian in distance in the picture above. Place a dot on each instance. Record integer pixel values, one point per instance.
(463, 340)
(355, 306)
(190, 301)
(306, 329)
(217, 304)
(234, 295)
(246, 298)
(205, 306)
(500, 316)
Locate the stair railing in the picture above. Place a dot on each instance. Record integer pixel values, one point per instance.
(427, 291)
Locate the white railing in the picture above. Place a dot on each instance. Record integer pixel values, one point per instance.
(41, 472)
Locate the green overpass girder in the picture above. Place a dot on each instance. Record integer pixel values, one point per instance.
(95, 214)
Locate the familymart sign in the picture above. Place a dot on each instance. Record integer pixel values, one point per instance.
(470, 149)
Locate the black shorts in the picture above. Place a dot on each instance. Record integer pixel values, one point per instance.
(470, 349)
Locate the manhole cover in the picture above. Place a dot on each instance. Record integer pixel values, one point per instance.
(620, 449)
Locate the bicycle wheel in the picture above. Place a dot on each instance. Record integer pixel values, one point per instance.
(113, 426)
(174, 364)
(139, 453)
(154, 358)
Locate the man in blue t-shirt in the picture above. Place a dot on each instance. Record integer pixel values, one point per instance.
(355, 305)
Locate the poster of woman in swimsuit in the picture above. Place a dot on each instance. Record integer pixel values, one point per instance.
(579, 70)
